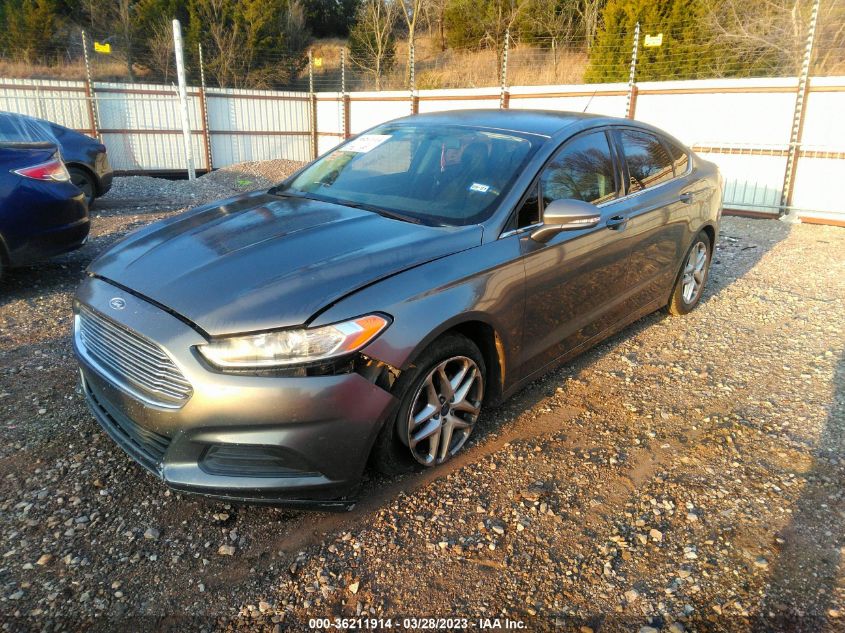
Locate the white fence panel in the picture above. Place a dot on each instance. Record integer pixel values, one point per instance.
(457, 99)
(250, 125)
(607, 99)
(329, 120)
(371, 108)
(62, 102)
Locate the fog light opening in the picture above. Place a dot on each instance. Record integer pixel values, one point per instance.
(249, 460)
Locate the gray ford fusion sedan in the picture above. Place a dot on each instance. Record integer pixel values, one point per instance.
(369, 307)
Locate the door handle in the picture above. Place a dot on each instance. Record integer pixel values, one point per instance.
(686, 197)
(617, 222)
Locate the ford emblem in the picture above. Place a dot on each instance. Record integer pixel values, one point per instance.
(117, 303)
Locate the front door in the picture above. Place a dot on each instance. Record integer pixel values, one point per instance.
(575, 283)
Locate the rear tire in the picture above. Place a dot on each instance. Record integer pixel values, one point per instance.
(435, 417)
(84, 182)
(692, 277)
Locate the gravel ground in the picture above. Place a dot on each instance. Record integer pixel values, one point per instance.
(687, 474)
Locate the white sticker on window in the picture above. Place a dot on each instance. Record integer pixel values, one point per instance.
(365, 143)
(477, 186)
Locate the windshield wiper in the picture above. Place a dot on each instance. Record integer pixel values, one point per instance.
(286, 193)
(383, 212)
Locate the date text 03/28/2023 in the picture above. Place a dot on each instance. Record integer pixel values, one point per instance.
(417, 624)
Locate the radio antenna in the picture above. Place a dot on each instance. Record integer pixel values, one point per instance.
(590, 100)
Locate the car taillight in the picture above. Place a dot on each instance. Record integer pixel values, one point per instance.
(53, 170)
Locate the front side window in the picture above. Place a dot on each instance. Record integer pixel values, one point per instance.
(582, 170)
(450, 175)
(649, 164)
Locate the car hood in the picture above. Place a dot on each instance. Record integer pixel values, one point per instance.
(259, 262)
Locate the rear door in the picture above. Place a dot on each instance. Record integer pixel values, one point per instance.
(575, 283)
(658, 208)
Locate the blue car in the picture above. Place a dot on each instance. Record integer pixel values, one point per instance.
(85, 158)
(42, 213)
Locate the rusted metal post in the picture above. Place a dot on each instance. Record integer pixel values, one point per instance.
(345, 102)
(412, 82)
(313, 97)
(206, 132)
(631, 103)
(89, 91)
(504, 98)
(798, 119)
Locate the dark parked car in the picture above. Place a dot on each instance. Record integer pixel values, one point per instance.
(86, 158)
(370, 306)
(41, 212)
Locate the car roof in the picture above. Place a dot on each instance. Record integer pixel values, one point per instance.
(542, 122)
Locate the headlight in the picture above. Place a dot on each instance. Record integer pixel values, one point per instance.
(289, 347)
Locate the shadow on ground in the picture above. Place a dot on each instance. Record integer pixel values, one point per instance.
(809, 563)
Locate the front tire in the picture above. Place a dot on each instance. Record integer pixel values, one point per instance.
(440, 401)
(693, 276)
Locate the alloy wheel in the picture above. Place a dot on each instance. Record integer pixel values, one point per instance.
(694, 272)
(444, 410)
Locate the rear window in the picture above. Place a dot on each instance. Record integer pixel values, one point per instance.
(649, 164)
(680, 158)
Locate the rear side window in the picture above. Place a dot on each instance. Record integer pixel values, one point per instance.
(649, 163)
(581, 170)
(680, 158)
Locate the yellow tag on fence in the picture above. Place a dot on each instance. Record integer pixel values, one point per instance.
(654, 40)
(105, 49)
(318, 62)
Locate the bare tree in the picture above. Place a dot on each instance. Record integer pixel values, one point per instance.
(434, 12)
(372, 44)
(224, 38)
(555, 22)
(590, 14)
(411, 10)
(770, 35)
(121, 14)
(160, 46)
(830, 41)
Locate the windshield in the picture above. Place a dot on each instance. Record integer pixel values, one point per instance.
(432, 174)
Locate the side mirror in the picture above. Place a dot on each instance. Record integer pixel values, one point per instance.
(566, 215)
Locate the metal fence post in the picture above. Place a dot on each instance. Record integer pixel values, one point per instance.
(504, 96)
(631, 101)
(412, 82)
(206, 131)
(183, 98)
(89, 90)
(313, 98)
(798, 120)
(345, 102)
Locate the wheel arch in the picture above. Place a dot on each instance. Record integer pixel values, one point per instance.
(83, 167)
(711, 233)
(487, 338)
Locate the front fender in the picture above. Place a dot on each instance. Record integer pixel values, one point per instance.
(483, 284)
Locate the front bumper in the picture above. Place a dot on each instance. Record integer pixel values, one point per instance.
(318, 429)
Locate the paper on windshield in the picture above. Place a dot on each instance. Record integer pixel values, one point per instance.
(365, 143)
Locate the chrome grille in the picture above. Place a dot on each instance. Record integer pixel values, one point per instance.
(139, 365)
